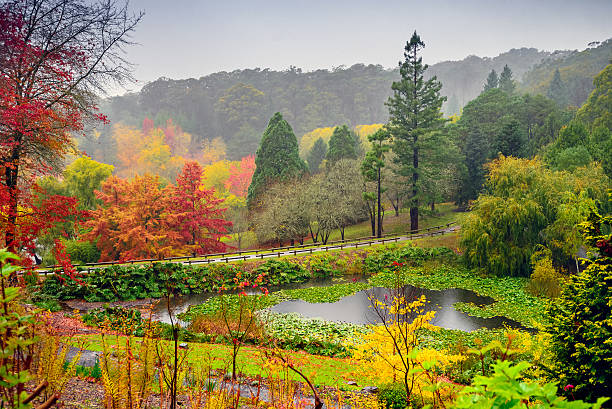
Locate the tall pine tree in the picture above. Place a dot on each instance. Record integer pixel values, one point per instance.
(316, 155)
(342, 145)
(557, 90)
(415, 121)
(492, 81)
(277, 158)
(506, 83)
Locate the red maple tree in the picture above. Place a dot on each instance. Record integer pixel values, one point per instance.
(54, 54)
(196, 214)
(240, 176)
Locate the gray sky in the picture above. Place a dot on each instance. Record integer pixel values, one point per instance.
(191, 38)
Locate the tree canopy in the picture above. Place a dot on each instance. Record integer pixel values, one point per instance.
(277, 158)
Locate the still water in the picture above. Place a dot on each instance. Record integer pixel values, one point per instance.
(356, 308)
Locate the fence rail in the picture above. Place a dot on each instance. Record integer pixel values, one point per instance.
(274, 252)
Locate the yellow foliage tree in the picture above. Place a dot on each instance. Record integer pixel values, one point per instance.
(130, 142)
(391, 351)
(213, 150)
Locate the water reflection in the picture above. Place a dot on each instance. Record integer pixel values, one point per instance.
(356, 308)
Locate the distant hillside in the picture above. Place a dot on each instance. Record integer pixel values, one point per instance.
(577, 70)
(236, 106)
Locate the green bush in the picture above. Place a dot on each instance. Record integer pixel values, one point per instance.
(82, 252)
(384, 257)
(393, 396)
(581, 320)
(124, 320)
(280, 272)
(506, 389)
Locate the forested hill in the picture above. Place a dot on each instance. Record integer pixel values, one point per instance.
(576, 70)
(235, 106)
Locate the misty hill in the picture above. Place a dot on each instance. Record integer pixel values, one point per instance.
(577, 70)
(236, 105)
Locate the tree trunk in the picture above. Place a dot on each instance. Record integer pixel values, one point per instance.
(433, 206)
(379, 205)
(11, 173)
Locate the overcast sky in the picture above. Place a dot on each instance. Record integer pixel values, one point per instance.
(193, 38)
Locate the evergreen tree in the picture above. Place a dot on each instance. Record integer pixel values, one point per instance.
(557, 90)
(342, 145)
(414, 121)
(371, 169)
(492, 81)
(316, 155)
(506, 83)
(510, 141)
(277, 157)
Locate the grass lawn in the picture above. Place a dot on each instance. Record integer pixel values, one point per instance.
(334, 372)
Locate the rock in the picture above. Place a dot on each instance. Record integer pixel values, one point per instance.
(370, 389)
(351, 383)
(88, 358)
(183, 345)
(255, 383)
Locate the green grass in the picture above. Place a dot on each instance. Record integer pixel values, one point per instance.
(326, 371)
(445, 213)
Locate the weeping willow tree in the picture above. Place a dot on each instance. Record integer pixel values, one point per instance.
(526, 205)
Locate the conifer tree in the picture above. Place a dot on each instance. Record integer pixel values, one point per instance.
(316, 155)
(342, 145)
(557, 90)
(415, 121)
(277, 158)
(506, 83)
(492, 81)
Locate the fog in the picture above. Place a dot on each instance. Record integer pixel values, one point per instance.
(192, 38)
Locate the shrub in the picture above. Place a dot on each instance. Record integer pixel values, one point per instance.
(124, 320)
(82, 252)
(381, 258)
(545, 280)
(393, 396)
(280, 272)
(581, 320)
(505, 389)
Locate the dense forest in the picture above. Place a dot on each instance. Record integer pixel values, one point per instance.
(235, 106)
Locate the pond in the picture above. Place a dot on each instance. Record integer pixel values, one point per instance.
(356, 308)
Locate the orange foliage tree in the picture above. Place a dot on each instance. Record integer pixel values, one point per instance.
(139, 218)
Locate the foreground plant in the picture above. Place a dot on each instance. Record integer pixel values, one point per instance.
(17, 339)
(505, 389)
(392, 350)
(128, 370)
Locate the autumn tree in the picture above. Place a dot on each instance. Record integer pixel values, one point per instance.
(277, 158)
(196, 214)
(415, 120)
(132, 221)
(240, 176)
(54, 55)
